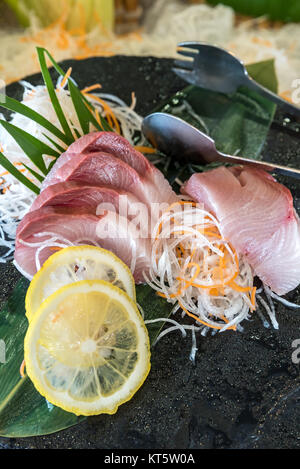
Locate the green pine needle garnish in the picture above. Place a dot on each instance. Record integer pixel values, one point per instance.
(36, 149)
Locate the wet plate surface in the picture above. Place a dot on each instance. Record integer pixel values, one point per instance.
(244, 389)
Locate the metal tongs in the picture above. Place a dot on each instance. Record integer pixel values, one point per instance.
(215, 69)
(175, 137)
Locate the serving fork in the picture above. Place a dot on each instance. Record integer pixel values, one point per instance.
(216, 69)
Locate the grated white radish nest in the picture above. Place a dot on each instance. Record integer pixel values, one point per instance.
(185, 268)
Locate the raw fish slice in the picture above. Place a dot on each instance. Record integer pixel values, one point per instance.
(257, 216)
(77, 195)
(116, 145)
(119, 147)
(107, 142)
(104, 169)
(110, 231)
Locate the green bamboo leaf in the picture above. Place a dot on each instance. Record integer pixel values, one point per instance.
(52, 93)
(55, 144)
(20, 108)
(17, 174)
(77, 97)
(265, 74)
(34, 173)
(80, 108)
(239, 123)
(32, 147)
(104, 124)
(23, 411)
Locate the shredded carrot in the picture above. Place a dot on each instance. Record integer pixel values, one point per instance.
(111, 118)
(212, 326)
(253, 298)
(286, 95)
(210, 233)
(237, 287)
(143, 149)
(55, 248)
(66, 77)
(133, 100)
(91, 88)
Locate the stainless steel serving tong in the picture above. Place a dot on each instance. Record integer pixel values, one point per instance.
(176, 138)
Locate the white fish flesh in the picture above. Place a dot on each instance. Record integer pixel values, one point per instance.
(257, 216)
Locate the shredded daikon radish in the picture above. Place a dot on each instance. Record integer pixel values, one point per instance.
(286, 303)
(194, 267)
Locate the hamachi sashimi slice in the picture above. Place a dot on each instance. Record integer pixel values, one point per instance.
(118, 147)
(95, 142)
(67, 225)
(104, 169)
(86, 196)
(114, 144)
(257, 216)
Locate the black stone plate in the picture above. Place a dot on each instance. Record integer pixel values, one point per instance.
(244, 389)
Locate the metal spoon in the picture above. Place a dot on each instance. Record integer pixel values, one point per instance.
(175, 137)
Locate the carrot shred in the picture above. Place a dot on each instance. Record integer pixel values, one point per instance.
(237, 287)
(143, 149)
(91, 88)
(253, 298)
(66, 77)
(109, 114)
(212, 326)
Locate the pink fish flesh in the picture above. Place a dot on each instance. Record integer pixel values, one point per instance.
(70, 226)
(99, 168)
(85, 196)
(104, 169)
(256, 214)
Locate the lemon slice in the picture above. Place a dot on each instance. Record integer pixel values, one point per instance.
(73, 264)
(87, 348)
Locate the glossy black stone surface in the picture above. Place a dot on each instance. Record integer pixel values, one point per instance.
(243, 390)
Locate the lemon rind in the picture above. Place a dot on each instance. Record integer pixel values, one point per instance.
(37, 277)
